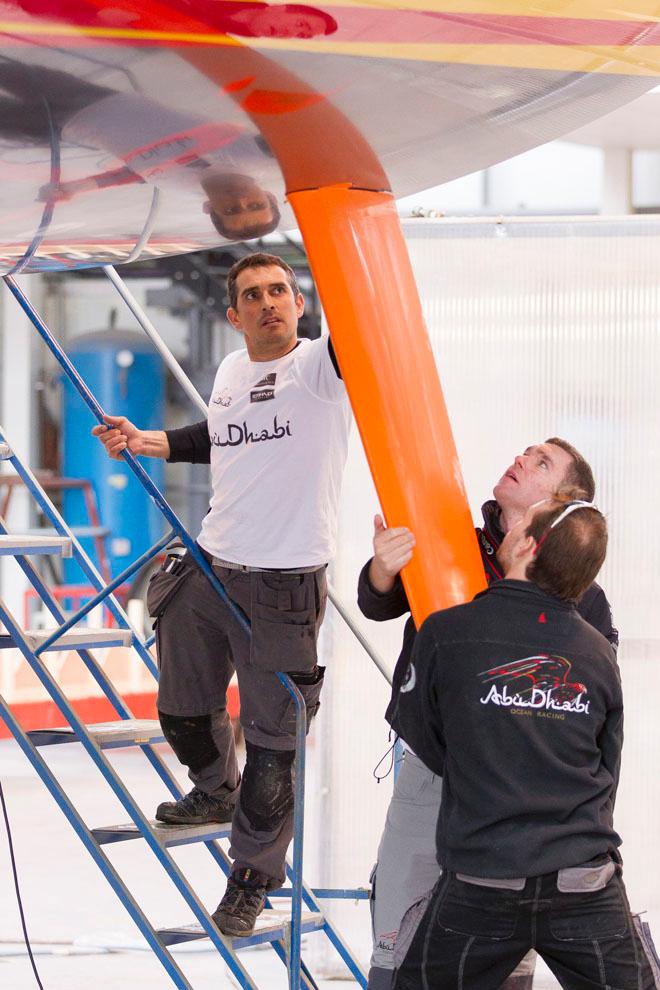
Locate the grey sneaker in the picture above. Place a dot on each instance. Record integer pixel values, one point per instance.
(242, 904)
(196, 808)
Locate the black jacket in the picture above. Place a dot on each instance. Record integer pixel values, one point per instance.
(190, 444)
(516, 701)
(593, 606)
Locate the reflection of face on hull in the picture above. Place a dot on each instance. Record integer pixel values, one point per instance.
(238, 207)
(248, 20)
(261, 20)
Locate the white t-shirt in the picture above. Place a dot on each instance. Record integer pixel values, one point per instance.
(279, 439)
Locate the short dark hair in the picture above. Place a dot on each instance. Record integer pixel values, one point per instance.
(258, 260)
(569, 556)
(579, 473)
(251, 230)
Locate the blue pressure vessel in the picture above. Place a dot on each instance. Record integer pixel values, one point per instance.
(126, 376)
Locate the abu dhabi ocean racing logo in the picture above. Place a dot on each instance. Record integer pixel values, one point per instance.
(538, 682)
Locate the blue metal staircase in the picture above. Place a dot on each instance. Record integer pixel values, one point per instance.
(282, 928)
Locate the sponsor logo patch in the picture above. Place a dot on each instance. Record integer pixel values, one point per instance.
(267, 380)
(266, 387)
(263, 395)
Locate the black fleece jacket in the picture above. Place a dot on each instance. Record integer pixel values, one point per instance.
(593, 606)
(516, 701)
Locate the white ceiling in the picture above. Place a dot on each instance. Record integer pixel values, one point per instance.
(635, 125)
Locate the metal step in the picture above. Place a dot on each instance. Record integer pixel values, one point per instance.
(125, 732)
(83, 638)
(167, 835)
(270, 927)
(80, 531)
(33, 543)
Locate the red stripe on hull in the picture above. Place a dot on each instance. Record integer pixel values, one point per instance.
(362, 24)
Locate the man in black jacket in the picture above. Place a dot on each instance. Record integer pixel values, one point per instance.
(516, 701)
(407, 866)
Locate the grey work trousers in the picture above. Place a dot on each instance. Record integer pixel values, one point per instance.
(407, 868)
(200, 644)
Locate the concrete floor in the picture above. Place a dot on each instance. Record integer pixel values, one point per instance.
(81, 934)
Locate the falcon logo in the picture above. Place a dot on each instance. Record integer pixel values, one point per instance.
(538, 682)
(387, 940)
(262, 395)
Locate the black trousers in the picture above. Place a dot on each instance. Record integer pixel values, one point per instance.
(471, 938)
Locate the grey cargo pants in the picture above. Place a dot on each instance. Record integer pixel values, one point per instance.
(200, 644)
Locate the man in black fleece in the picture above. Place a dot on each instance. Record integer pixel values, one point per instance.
(407, 866)
(516, 701)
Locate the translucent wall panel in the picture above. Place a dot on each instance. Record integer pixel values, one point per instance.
(543, 328)
(539, 328)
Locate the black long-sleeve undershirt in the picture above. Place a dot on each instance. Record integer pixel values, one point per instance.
(190, 444)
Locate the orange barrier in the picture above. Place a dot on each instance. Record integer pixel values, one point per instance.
(361, 267)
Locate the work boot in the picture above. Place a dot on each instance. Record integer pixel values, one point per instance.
(243, 902)
(196, 808)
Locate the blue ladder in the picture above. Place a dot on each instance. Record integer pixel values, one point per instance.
(282, 931)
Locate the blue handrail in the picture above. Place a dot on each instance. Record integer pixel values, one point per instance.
(192, 547)
(110, 692)
(109, 588)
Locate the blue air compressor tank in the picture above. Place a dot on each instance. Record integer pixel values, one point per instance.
(126, 376)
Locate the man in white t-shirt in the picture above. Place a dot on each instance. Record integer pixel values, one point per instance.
(276, 438)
